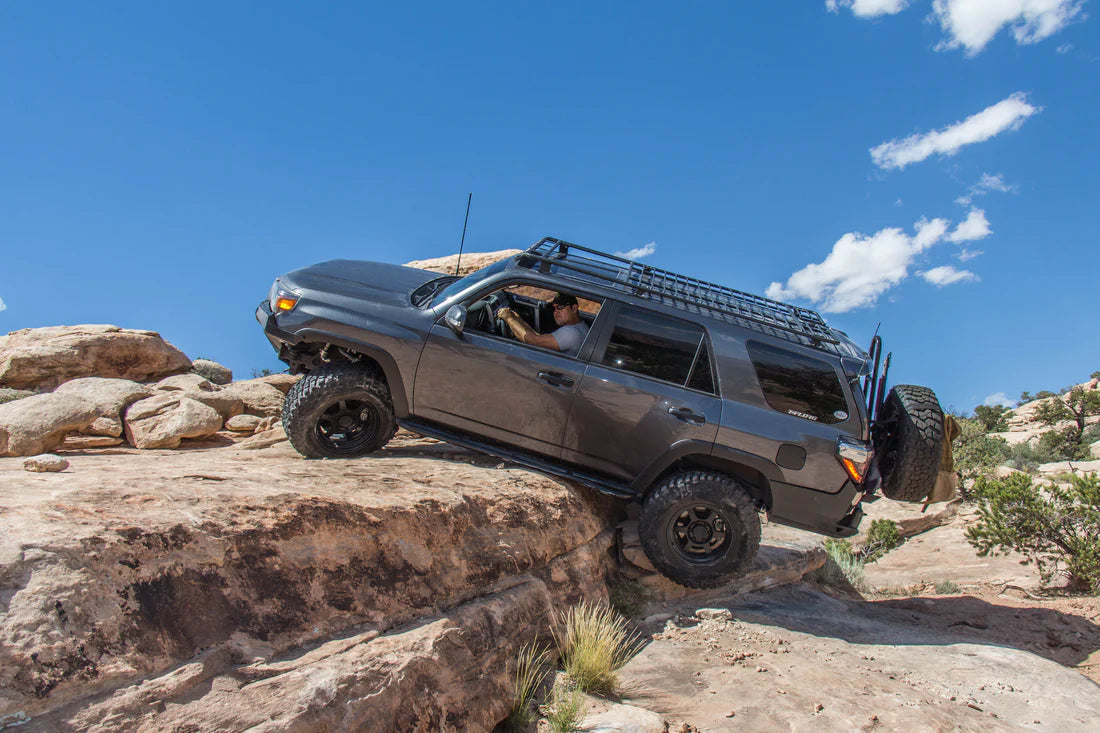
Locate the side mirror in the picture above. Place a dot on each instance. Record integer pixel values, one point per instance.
(456, 318)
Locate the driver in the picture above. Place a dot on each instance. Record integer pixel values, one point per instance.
(571, 329)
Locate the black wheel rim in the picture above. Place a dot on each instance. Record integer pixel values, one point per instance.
(348, 426)
(700, 533)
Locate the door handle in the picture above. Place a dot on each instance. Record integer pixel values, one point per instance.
(687, 415)
(556, 379)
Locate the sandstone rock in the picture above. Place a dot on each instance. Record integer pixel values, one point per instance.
(1069, 467)
(1094, 449)
(8, 395)
(714, 614)
(471, 261)
(242, 423)
(46, 357)
(45, 463)
(268, 423)
(212, 371)
(164, 420)
(622, 718)
(259, 397)
(281, 382)
(40, 423)
(226, 405)
(185, 382)
(264, 439)
(79, 442)
(110, 396)
(118, 576)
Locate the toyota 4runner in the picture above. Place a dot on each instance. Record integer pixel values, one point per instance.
(705, 404)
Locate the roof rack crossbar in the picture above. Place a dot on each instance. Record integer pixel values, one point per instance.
(801, 325)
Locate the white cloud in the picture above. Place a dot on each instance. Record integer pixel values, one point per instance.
(639, 252)
(1007, 114)
(3, 306)
(986, 184)
(946, 275)
(860, 268)
(1064, 48)
(998, 398)
(975, 226)
(868, 8)
(973, 23)
(968, 254)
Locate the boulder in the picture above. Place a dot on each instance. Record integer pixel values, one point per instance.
(226, 405)
(1078, 467)
(162, 421)
(623, 718)
(9, 395)
(185, 382)
(45, 357)
(80, 442)
(259, 397)
(110, 396)
(1094, 449)
(264, 439)
(212, 371)
(471, 261)
(45, 463)
(243, 423)
(40, 423)
(281, 382)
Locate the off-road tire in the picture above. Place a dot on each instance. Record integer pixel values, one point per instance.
(910, 458)
(683, 494)
(325, 389)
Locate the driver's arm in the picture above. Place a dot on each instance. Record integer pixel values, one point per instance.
(525, 333)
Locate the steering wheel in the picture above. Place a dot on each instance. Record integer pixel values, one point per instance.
(496, 301)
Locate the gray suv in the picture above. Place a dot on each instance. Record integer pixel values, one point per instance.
(705, 404)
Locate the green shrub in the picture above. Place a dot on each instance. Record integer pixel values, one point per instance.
(947, 587)
(594, 645)
(975, 452)
(531, 670)
(882, 537)
(1054, 527)
(564, 709)
(1094, 375)
(994, 418)
(628, 596)
(842, 568)
(1065, 444)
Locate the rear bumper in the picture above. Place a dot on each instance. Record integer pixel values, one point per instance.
(835, 515)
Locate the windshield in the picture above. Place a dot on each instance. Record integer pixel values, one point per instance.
(474, 277)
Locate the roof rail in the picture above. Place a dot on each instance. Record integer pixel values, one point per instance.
(799, 325)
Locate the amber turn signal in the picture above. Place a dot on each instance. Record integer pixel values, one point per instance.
(285, 304)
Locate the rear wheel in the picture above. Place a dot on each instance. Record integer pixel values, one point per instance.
(339, 411)
(912, 435)
(699, 528)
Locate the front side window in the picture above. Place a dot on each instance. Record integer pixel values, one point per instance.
(659, 347)
(798, 385)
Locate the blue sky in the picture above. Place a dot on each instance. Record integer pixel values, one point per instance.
(928, 165)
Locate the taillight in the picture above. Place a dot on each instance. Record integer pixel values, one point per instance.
(855, 456)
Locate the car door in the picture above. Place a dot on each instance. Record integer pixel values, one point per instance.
(650, 384)
(496, 387)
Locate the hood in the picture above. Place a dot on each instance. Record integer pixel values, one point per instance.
(361, 279)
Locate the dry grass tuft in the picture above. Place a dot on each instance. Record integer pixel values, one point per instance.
(594, 646)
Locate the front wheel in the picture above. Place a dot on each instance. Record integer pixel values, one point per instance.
(339, 411)
(699, 528)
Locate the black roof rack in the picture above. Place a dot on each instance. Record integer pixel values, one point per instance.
(799, 325)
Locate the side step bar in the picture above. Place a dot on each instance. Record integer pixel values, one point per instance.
(523, 458)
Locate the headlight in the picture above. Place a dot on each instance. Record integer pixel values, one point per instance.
(281, 298)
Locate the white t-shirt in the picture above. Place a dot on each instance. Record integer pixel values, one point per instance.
(571, 337)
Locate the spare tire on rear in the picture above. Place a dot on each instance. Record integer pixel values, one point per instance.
(911, 434)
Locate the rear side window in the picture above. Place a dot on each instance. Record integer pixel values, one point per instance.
(663, 348)
(798, 385)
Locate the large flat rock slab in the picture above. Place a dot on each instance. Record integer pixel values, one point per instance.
(130, 563)
(793, 658)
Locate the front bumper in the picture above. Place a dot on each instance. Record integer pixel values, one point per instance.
(277, 336)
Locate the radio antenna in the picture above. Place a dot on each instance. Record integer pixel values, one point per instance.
(458, 262)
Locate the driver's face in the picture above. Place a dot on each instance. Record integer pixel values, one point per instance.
(564, 314)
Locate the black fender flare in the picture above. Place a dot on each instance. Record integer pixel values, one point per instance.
(380, 356)
(735, 462)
